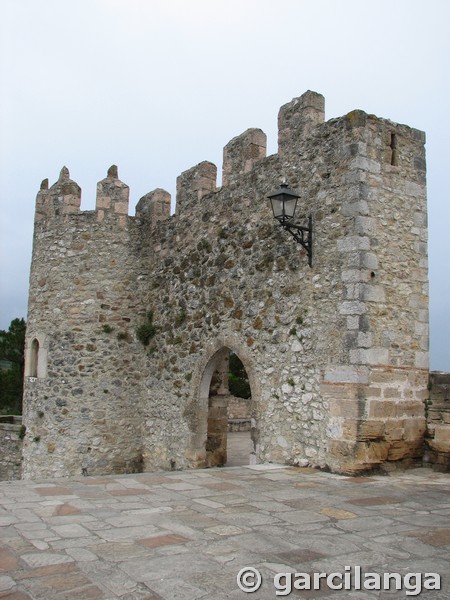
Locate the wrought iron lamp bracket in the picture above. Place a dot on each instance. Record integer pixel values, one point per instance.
(301, 234)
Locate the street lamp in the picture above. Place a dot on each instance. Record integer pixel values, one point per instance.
(284, 204)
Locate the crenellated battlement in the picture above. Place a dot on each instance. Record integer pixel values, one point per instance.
(297, 118)
(154, 206)
(64, 197)
(241, 154)
(195, 183)
(344, 138)
(112, 197)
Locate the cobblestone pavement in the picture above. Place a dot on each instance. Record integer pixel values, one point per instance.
(186, 535)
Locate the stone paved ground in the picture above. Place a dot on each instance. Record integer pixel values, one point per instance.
(186, 535)
(239, 446)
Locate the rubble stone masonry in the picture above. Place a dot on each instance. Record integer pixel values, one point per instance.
(336, 354)
(11, 435)
(438, 417)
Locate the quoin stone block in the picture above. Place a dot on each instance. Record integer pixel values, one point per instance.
(132, 319)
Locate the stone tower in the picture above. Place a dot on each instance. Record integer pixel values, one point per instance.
(130, 317)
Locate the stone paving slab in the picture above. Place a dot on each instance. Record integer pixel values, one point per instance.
(186, 535)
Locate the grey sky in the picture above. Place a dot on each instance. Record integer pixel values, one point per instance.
(156, 86)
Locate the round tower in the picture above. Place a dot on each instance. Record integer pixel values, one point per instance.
(82, 372)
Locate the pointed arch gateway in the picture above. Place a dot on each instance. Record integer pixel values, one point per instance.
(208, 411)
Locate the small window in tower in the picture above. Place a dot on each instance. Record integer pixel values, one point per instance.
(394, 151)
(34, 357)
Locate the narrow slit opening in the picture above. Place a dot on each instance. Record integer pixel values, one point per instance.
(34, 358)
(394, 153)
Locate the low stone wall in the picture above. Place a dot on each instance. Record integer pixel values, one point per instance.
(238, 408)
(10, 448)
(437, 450)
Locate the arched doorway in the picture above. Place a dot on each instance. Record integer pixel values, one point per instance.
(225, 428)
(240, 445)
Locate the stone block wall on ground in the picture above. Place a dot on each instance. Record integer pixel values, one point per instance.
(336, 354)
(10, 448)
(438, 421)
(238, 408)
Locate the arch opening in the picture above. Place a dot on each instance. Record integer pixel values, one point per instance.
(226, 411)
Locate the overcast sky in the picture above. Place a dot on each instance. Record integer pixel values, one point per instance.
(157, 86)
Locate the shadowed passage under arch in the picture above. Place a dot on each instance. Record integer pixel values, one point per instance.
(217, 403)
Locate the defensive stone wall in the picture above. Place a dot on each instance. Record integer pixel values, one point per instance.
(438, 409)
(336, 354)
(11, 435)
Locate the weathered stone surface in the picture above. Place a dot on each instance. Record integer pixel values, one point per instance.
(287, 519)
(11, 434)
(438, 432)
(131, 318)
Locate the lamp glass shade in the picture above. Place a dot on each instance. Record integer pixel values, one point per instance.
(283, 206)
(277, 207)
(284, 203)
(289, 204)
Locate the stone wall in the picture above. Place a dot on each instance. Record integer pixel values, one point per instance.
(10, 448)
(239, 408)
(438, 431)
(83, 403)
(336, 354)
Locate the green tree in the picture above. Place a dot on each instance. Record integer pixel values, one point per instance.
(12, 357)
(238, 383)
